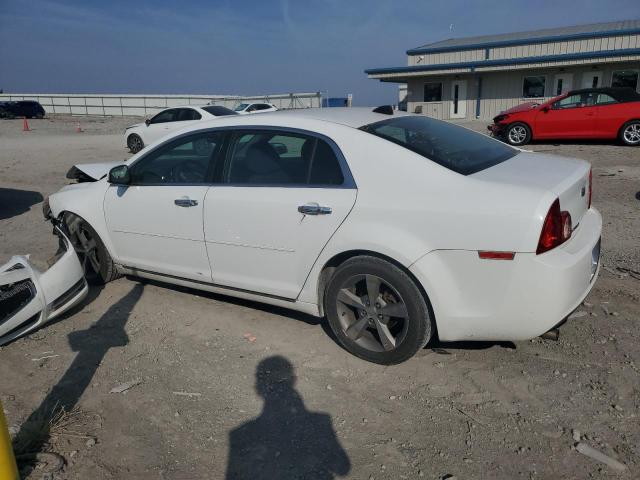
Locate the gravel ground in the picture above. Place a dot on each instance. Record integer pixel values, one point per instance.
(213, 379)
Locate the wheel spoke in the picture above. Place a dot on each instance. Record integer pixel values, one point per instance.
(94, 262)
(387, 340)
(357, 328)
(349, 298)
(373, 288)
(394, 310)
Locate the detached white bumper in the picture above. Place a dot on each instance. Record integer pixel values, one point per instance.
(476, 299)
(30, 298)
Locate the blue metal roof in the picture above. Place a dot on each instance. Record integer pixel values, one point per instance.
(594, 30)
(513, 61)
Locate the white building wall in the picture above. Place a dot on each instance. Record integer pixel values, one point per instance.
(502, 89)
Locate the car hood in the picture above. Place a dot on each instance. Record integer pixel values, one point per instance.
(523, 107)
(91, 171)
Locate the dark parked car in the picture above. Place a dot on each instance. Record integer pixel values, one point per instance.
(22, 108)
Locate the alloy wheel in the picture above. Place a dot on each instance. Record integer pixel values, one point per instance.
(632, 133)
(372, 313)
(135, 143)
(517, 134)
(88, 252)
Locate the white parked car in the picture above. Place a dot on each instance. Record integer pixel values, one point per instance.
(140, 135)
(247, 108)
(394, 226)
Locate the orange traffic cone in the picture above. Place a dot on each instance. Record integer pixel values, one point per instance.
(78, 129)
(25, 125)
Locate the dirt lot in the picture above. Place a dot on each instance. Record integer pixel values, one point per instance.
(195, 409)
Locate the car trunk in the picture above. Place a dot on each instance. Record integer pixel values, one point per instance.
(567, 178)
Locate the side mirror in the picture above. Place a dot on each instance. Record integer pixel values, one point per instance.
(119, 175)
(546, 109)
(147, 122)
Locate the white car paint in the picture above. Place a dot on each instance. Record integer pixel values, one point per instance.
(251, 242)
(151, 132)
(255, 107)
(53, 292)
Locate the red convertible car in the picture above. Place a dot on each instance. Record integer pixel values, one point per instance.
(605, 113)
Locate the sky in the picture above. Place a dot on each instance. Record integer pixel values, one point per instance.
(250, 47)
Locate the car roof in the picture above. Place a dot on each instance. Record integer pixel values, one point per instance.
(619, 93)
(355, 117)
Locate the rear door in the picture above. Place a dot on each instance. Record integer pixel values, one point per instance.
(570, 117)
(611, 115)
(284, 194)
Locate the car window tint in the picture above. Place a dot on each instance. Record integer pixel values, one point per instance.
(241, 107)
(454, 147)
(164, 116)
(572, 101)
(274, 158)
(604, 99)
(218, 111)
(185, 114)
(325, 167)
(184, 161)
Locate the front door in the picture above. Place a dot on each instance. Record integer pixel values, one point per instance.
(562, 83)
(284, 194)
(155, 223)
(570, 117)
(458, 107)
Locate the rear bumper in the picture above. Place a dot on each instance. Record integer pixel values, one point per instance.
(476, 299)
(30, 298)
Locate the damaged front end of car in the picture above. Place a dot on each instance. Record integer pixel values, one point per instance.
(29, 298)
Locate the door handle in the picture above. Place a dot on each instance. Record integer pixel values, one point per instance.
(312, 208)
(185, 202)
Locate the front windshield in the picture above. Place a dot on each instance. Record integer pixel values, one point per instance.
(456, 148)
(241, 107)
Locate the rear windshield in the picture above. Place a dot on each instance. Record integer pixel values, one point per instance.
(218, 111)
(451, 146)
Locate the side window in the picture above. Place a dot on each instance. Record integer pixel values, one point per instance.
(263, 106)
(185, 114)
(282, 158)
(252, 108)
(604, 99)
(183, 161)
(572, 101)
(164, 116)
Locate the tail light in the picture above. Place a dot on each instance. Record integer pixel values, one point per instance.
(556, 228)
(590, 186)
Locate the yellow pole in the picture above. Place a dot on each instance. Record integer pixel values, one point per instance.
(8, 468)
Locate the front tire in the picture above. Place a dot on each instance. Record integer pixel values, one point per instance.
(95, 258)
(518, 134)
(377, 311)
(630, 133)
(135, 143)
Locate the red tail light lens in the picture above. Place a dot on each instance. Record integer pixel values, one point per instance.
(590, 186)
(556, 228)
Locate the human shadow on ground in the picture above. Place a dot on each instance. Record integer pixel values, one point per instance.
(15, 202)
(286, 441)
(92, 345)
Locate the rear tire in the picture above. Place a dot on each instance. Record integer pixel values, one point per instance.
(377, 311)
(518, 134)
(630, 133)
(135, 143)
(95, 259)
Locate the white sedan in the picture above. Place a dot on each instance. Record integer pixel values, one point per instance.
(394, 226)
(140, 135)
(248, 108)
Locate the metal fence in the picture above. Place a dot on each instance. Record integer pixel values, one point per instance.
(142, 105)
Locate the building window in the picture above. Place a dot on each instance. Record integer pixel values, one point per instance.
(433, 92)
(533, 87)
(625, 78)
